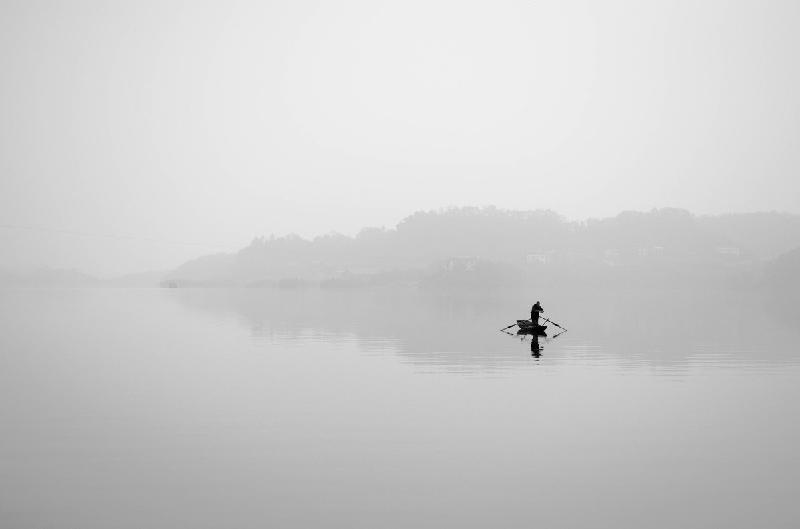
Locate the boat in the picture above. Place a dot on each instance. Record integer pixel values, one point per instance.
(535, 334)
(529, 326)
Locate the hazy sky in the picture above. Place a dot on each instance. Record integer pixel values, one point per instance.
(216, 122)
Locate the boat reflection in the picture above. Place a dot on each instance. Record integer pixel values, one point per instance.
(536, 348)
(460, 332)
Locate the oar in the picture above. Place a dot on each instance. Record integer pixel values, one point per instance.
(554, 323)
(504, 328)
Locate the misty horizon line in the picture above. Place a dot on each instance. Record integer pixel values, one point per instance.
(562, 217)
(518, 218)
(352, 234)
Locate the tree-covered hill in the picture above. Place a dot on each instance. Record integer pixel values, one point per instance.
(542, 243)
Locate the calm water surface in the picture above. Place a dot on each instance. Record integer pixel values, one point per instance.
(395, 408)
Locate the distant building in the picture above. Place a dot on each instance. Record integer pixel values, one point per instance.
(461, 264)
(728, 250)
(537, 258)
(651, 251)
(611, 256)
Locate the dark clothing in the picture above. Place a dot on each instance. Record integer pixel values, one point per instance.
(535, 310)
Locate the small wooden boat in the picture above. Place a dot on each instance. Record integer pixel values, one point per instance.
(529, 332)
(529, 326)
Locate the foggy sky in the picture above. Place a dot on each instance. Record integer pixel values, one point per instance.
(212, 123)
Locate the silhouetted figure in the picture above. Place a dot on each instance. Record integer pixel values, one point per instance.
(535, 310)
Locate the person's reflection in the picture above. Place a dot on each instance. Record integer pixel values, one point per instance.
(536, 350)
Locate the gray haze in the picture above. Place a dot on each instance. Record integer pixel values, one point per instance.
(349, 206)
(135, 136)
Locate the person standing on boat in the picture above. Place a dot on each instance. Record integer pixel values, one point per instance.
(535, 310)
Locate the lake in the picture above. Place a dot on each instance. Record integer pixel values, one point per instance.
(395, 407)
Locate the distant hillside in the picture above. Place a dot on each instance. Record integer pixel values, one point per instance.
(140, 280)
(471, 244)
(46, 277)
(783, 274)
(215, 267)
(782, 282)
(53, 277)
(766, 235)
